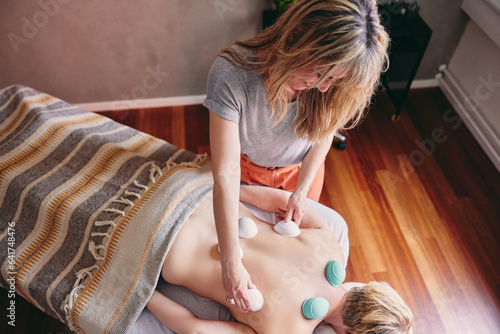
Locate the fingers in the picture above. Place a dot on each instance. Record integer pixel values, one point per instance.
(290, 208)
(293, 214)
(297, 216)
(236, 282)
(289, 214)
(295, 208)
(242, 300)
(251, 285)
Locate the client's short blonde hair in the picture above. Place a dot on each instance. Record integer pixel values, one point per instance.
(376, 308)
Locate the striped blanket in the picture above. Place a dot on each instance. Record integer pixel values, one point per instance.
(88, 209)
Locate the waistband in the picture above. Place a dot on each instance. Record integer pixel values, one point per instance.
(250, 162)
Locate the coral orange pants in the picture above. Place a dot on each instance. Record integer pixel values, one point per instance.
(279, 177)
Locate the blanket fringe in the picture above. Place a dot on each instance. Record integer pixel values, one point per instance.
(119, 212)
(94, 249)
(197, 161)
(123, 201)
(154, 169)
(131, 193)
(105, 222)
(82, 277)
(170, 162)
(100, 234)
(99, 251)
(137, 184)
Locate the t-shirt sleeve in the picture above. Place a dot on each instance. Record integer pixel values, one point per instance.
(225, 90)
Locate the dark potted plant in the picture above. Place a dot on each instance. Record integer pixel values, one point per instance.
(277, 8)
(282, 5)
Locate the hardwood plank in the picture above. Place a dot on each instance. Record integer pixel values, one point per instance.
(361, 272)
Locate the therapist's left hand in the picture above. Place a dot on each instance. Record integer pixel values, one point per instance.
(296, 207)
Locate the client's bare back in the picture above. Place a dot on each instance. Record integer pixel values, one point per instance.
(287, 270)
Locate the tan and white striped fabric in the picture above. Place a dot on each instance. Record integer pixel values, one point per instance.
(88, 209)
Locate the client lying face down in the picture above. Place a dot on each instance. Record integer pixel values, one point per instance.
(298, 279)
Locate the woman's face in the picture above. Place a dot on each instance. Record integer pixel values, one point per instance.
(305, 77)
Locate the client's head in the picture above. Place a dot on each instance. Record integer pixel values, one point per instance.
(376, 308)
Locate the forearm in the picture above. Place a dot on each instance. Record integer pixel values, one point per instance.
(311, 164)
(181, 320)
(265, 198)
(226, 208)
(224, 144)
(275, 200)
(174, 316)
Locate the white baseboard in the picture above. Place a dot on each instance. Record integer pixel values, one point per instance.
(143, 103)
(424, 83)
(186, 100)
(470, 115)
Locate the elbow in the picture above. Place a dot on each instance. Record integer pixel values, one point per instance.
(225, 181)
(196, 328)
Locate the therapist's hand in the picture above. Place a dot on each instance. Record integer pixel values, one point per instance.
(236, 281)
(296, 207)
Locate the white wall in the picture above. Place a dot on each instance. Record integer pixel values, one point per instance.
(472, 78)
(95, 50)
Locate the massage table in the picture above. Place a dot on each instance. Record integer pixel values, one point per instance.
(89, 209)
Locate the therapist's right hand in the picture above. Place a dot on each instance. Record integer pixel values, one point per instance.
(236, 281)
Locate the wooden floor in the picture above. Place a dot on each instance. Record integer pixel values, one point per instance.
(421, 199)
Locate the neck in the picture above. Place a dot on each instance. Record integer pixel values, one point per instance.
(334, 317)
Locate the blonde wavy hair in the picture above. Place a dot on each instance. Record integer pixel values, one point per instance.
(376, 308)
(334, 35)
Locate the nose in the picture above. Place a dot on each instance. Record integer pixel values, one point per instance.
(324, 87)
(312, 80)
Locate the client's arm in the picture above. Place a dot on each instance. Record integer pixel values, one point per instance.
(181, 320)
(276, 200)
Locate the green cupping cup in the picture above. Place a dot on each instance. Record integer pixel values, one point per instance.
(315, 307)
(335, 273)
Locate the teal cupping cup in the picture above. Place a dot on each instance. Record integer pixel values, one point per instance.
(335, 273)
(315, 307)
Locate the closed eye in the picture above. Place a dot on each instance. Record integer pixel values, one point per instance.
(319, 75)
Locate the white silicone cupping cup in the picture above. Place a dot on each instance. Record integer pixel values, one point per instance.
(287, 229)
(241, 251)
(247, 228)
(257, 299)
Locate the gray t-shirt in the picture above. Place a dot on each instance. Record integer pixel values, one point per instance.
(240, 96)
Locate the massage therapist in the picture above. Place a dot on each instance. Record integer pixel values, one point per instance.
(276, 101)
